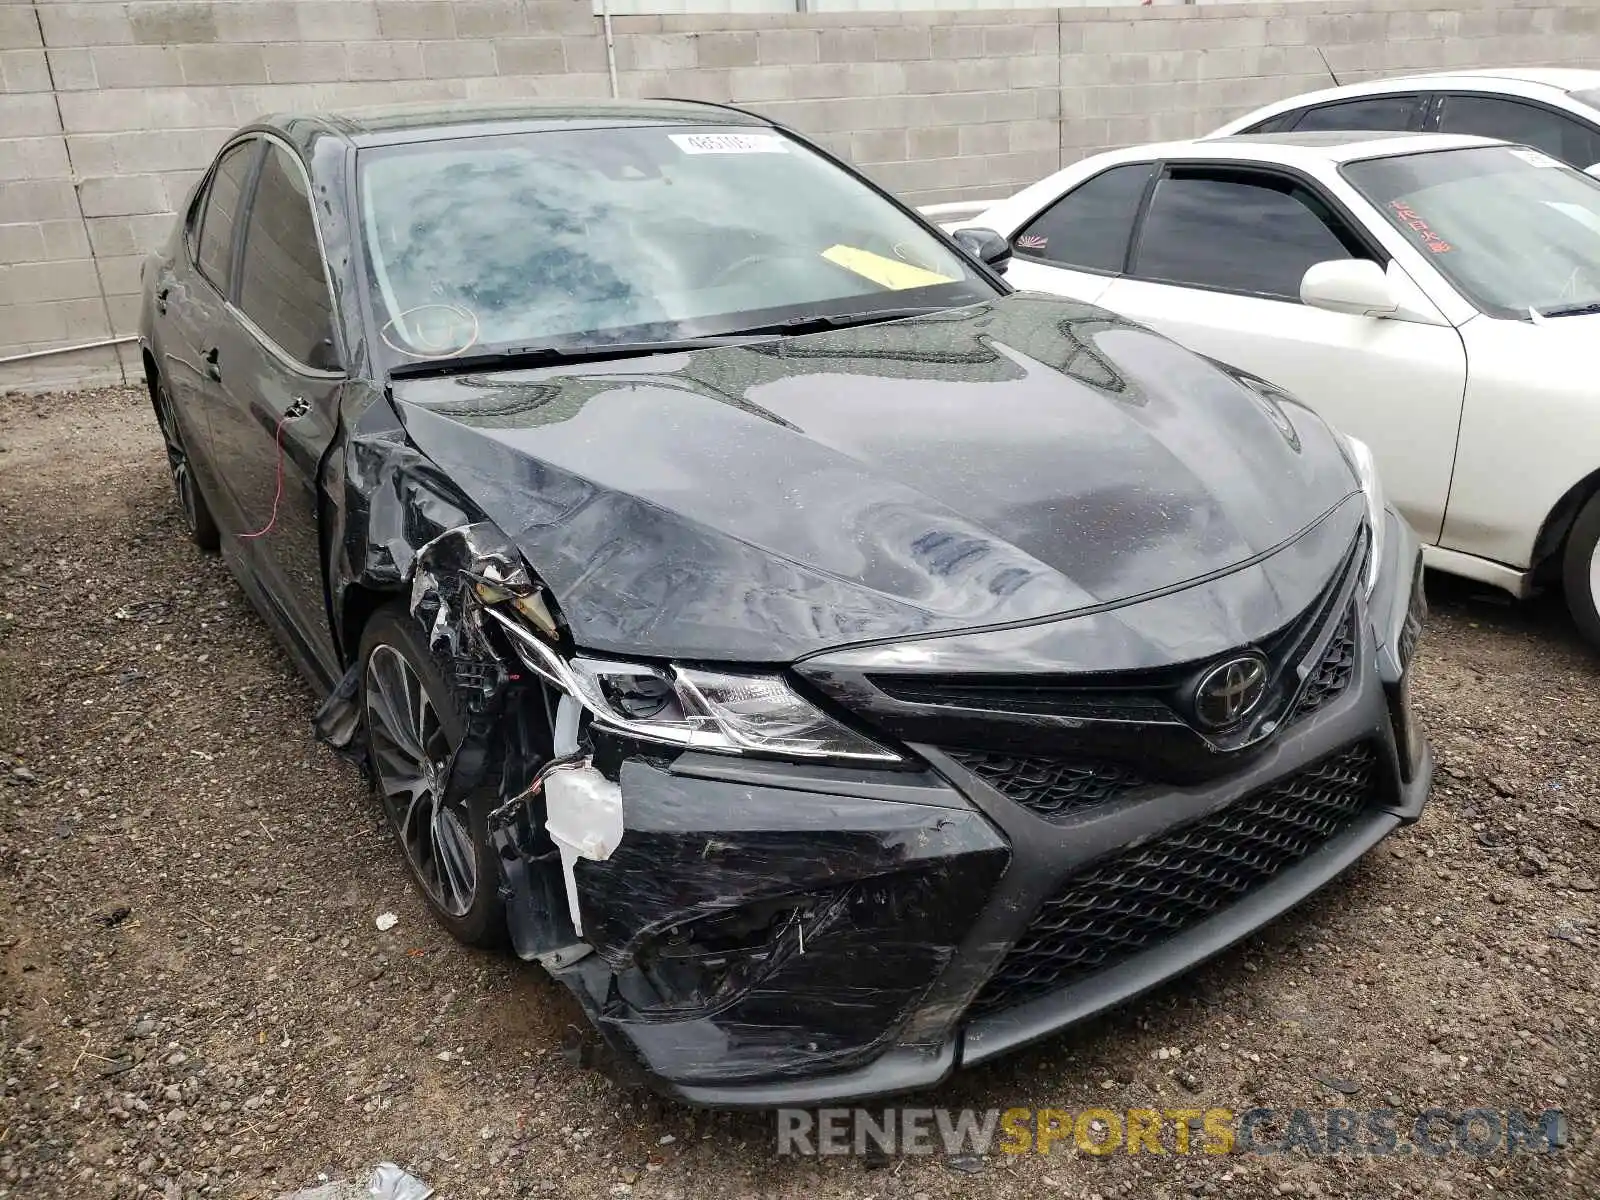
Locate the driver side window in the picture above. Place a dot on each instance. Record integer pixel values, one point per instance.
(1238, 231)
(283, 288)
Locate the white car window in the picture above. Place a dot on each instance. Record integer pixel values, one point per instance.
(1529, 124)
(1236, 231)
(1499, 222)
(1089, 227)
(1369, 112)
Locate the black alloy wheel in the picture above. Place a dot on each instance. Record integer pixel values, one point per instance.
(413, 729)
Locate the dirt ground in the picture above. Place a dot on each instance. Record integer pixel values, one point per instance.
(195, 1000)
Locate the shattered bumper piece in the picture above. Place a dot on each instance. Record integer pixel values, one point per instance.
(751, 927)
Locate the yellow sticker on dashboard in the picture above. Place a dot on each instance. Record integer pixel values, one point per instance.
(891, 273)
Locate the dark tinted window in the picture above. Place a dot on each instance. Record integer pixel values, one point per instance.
(1089, 226)
(1237, 232)
(282, 287)
(221, 208)
(1370, 112)
(191, 225)
(1273, 124)
(1559, 136)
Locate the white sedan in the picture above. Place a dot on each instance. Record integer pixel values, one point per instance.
(1436, 296)
(1555, 109)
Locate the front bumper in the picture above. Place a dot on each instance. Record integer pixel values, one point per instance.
(770, 934)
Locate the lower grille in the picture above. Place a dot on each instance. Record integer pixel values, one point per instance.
(1054, 788)
(1145, 895)
(1333, 672)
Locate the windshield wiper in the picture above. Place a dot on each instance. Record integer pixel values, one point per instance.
(520, 357)
(819, 322)
(1570, 310)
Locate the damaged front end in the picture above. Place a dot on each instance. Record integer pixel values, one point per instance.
(742, 891)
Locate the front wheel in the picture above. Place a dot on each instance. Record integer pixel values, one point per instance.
(413, 727)
(1580, 571)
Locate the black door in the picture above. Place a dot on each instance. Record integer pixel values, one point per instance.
(280, 386)
(191, 296)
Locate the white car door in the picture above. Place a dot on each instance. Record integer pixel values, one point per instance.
(1217, 266)
(1077, 245)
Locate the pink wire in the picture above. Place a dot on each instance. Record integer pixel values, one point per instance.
(278, 494)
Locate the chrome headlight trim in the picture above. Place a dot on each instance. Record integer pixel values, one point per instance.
(1359, 455)
(723, 712)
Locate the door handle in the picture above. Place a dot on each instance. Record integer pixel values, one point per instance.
(213, 370)
(161, 298)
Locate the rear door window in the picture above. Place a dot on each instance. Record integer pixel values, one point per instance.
(1399, 112)
(1238, 231)
(214, 250)
(1089, 227)
(1530, 124)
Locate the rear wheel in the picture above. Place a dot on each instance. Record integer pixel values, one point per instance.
(202, 528)
(1580, 571)
(413, 727)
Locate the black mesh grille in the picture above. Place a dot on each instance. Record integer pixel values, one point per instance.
(1333, 672)
(1052, 787)
(1144, 895)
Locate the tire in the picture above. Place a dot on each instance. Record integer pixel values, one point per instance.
(1580, 571)
(191, 504)
(441, 844)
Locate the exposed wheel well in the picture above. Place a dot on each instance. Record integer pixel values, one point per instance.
(359, 605)
(151, 371)
(1545, 564)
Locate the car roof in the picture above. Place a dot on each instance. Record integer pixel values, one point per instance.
(399, 123)
(1310, 147)
(1567, 79)
(1527, 82)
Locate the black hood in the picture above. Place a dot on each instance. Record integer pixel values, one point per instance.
(1022, 459)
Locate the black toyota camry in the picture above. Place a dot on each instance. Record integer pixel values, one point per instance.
(832, 665)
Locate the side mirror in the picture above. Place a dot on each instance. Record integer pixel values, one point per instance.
(1349, 285)
(324, 357)
(1592, 169)
(985, 245)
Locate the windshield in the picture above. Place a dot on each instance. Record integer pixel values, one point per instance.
(1512, 228)
(585, 236)
(1589, 96)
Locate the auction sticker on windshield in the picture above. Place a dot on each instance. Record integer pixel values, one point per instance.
(729, 143)
(1534, 158)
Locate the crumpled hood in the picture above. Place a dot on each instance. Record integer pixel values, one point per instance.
(989, 465)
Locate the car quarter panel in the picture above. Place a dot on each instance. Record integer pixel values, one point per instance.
(1530, 432)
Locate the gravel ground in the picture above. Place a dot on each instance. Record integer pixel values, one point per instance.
(195, 1000)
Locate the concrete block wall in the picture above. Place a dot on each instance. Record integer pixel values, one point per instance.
(110, 109)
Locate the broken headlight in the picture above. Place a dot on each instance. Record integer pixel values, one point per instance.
(714, 710)
(727, 712)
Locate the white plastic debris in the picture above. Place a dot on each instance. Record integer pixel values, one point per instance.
(390, 1182)
(386, 922)
(583, 815)
(387, 1182)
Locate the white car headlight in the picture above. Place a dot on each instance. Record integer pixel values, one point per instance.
(697, 709)
(1360, 455)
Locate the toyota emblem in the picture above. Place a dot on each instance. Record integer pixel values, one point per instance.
(1230, 691)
